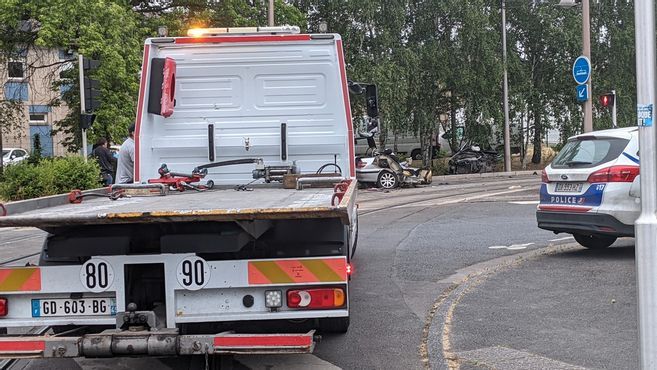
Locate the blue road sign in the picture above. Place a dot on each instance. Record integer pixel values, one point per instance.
(582, 69)
(582, 93)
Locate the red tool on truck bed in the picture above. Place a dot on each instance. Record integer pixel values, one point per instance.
(181, 181)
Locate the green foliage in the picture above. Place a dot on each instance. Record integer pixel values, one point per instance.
(427, 57)
(49, 177)
(21, 181)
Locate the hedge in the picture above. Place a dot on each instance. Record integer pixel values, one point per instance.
(48, 177)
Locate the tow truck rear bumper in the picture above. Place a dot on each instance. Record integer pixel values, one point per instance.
(165, 342)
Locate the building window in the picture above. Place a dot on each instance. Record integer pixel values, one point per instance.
(39, 114)
(38, 118)
(16, 91)
(15, 69)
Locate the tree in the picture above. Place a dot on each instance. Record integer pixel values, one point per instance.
(11, 114)
(544, 40)
(37, 151)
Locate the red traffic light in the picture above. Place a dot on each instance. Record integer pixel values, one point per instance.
(606, 100)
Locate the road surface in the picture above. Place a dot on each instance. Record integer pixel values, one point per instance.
(456, 275)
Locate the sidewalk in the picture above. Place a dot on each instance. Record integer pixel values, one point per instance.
(568, 310)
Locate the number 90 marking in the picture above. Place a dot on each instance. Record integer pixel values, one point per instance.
(193, 273)
(96, 275)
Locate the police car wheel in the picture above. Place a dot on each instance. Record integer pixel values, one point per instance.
(595, 241)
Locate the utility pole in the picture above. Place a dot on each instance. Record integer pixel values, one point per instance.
(82, 108)
(507, 130)
(646, 224)
(271, 13)
(586, 41)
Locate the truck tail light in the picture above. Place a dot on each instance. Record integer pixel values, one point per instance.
(4, 307)
(544, 177)
(316, 298)
(614, 174)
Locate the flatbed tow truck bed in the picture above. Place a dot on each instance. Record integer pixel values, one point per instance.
(237, 278)
(188, 206)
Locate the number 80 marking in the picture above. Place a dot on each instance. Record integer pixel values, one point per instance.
(96, 275)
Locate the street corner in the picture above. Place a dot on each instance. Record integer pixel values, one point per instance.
(566, 307)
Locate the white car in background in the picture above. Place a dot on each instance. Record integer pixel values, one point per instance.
(586, 190)
(13, 155)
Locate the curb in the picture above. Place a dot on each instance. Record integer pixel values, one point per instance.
(486, 174)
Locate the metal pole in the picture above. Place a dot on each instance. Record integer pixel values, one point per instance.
(586, 41)
(646, 224)
(614, 123)
(82, 108)
(507, 133)
(271, 13)
(2, 165)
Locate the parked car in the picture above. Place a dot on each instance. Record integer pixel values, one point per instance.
(585, 191)
(387, 172)
(13, 155)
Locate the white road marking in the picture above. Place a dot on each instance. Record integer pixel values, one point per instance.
(512, 247)
(525, 202)
(560, 239)
(498, 247)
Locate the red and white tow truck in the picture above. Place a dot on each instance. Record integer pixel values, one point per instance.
(207, 252)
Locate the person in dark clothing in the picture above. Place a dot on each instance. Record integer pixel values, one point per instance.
(105, 159)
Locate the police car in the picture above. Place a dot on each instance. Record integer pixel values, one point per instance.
(585, 191)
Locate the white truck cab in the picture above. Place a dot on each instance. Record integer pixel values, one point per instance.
(280, 96)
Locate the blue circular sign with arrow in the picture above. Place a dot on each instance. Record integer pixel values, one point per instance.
(582, 70)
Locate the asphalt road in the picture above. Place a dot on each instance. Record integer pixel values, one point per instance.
(456, 275)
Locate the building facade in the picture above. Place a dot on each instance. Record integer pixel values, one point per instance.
(27, 78)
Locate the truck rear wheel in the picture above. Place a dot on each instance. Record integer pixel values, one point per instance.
(334, 325)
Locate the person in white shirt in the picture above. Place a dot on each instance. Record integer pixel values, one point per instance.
(126, 167)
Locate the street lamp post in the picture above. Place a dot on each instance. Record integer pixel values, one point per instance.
(82, 105)
(507, 130)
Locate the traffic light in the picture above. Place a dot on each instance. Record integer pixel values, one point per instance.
(372, 100)
(607, 100)
(91, 86)
(86, 120)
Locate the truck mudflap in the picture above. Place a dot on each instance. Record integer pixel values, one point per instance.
(116, 343)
